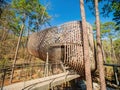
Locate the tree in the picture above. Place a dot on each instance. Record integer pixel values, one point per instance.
(112, 6)
(109, 33)
(23, 10)
(2, 5)
(99, 49)
(85, 47)
(116, 44)
(5, 20)
(109, 6)
(110, 27)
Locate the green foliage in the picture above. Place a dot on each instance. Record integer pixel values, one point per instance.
(117, 48)
(107, 30)
(108, 60)
(110, 40)
(3, 3)
(109, 6)
(4, 62)
(6, 17)
(7, 48)
(114, 7)
(28, 12)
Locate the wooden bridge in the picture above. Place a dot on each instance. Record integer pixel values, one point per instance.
(50, 78)
(49, 81)
(44, 83)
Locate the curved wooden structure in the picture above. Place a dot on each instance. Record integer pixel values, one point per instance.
(63, 43)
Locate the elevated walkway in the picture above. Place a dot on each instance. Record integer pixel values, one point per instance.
(44, 83)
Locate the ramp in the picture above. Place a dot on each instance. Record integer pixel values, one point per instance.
(42, 83)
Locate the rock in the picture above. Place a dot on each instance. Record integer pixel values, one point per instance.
(96, 86)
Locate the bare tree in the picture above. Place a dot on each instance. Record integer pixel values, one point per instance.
(16, 52)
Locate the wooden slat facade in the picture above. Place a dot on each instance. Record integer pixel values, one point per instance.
(64, 43)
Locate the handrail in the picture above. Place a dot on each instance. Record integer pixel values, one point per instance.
(117, 65)
(115, 70)
(28, 68)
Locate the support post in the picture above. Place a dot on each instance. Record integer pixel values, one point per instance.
(115, 74)
(3, 76)
(46, 66)
(62, 67)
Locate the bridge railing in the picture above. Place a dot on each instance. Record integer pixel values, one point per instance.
(25, 72)
(115, 68)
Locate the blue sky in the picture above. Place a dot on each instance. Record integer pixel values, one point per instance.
(69, 10)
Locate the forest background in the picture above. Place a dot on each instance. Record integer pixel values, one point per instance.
(20, 18)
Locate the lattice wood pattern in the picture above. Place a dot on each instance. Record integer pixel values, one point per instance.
(64, 43)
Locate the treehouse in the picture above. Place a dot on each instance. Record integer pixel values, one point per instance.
(63, 43)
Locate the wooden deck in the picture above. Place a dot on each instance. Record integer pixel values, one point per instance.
(42, 83)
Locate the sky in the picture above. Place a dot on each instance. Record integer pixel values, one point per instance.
(69, 10)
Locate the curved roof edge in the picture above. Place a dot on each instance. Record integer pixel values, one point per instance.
(76, 21)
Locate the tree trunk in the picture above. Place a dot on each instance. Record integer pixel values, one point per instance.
(111, 51)
(86, 48)
(5, 33)
(16, 53)
(113, 56)
(99, 49)
(103, 53)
